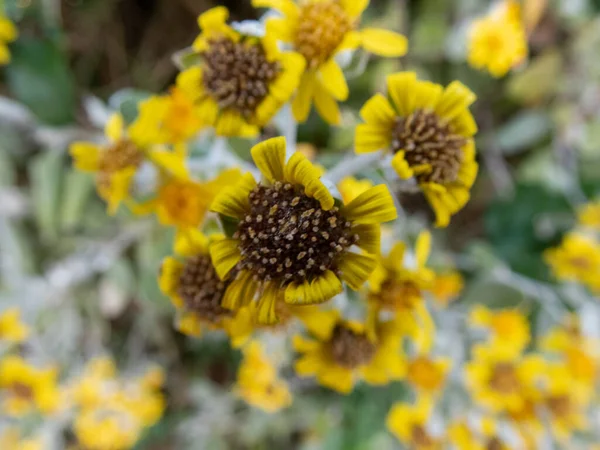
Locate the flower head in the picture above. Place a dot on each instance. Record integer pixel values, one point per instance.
(410, 424)
(429, 130)
(319, 30)
(11, 327)
(290, 240)
(8, 33)
(508, 327)
(498, 42)
(446, 287)
(589, 215)
(242, 81)
(427, 374)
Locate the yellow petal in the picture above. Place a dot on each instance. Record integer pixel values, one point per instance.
(114, 127)
(321, 289)
(423, 247)
(190, 242)
(118, 190)
(303, 99)
(401, 88)
(240, 292)
(354, 8)
(171, 162)
(267, 303)
(269, 157)
(371, 138)
(232, 124)
(8, 31)
(303, 345)
(454, 101)
(168, 279)
(400, 165)
(281, 29)
(233, 201)
(356, 269)
(378, 111)
(337, 378)
(383, 42)
(189, 82)
(213, 18)
(369, 237)
(299, 170)
(372, 206)
(310, 364)
(189, 324)
(326, 105)
(333, 81)
(225, 254)
(86, 156)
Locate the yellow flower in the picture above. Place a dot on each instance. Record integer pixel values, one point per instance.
(8, 33)
(291, 241)
(508, 327)
(428, 374)
(242, 80)
(447, 287)
(257, 381)
(429, 130)
(11, 439)
(11, 328)
(498, 42)
(485, 438)
(350, 188)
(25, 388)
(589, 215)
(347, 351)
(409, 423)
(501, 380)
(576, 259)
(116, 164)
(319, 30)
(166, 119)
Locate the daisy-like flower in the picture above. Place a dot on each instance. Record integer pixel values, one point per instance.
(116, 163)
(507, 327)
(446, 287)
(258, 383)
(290, 240)
(320, 30)
(428, 374)
(577, 259)
(347, 351)
(589, 215)
(498, 42)
(350, 188)
(410, 424)
(429, 131)
(11, 328)
(8, 33)
(25, 388)
(500, 379)
(242, 81)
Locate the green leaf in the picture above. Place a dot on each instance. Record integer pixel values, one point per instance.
(78, 188)
(46, 173)
(523, 131)
(539, 80)
(127, 101)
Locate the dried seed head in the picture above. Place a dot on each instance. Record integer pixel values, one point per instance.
(350, 349)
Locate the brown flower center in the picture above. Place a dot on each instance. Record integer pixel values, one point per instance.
(504, 379)
(350, 349)
(120, 155)
(426, 139)
(201, 289)
(494, 444)
(22, 391)
(420, 437)
(398, 294)
(237, 75)
(560, 405)
(288, 237)
(322, 27)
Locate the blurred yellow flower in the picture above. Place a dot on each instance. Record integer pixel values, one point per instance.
(507, 327)
(24, 388)
(319, 30)
(291, 242)
(429, 130)
(257, 381)
(11, 439)
(116, 164)
(428, 374)
(485, 438)
(347, 351)
(577, 259)
(447, 287)
(350, 188)
(8, 33)
(242, 80)
(589, 215)
(409, 423)
(498, 42)
(11, 328)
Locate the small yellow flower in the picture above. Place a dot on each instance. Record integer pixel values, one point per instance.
(11, 328)
(410, 424)
(577, 259)
(242, 81)
(589, 215)
(347, 351)
(319, 30)
(498, 42)
(485, 438)
(427, 374)
(350, 188)
(8, 33)
(25, 388)
(447, 287)
(429, 130)
(257, 381)
(116, 164)
(508, 327)
(291, 241)
(11, 439)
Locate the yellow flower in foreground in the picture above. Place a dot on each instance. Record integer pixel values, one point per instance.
(25, 388)
(8, 33)
(11, 439)
(116, 164)
(11, 327)
(291, 241)
(428, 374)
(409, 423)
(242, 81)
(319, 30)
(577, 259)
(508, 327)
(447, 287)
(350, 188)
(498, 42)
(257, 381)
(347, 351)
(429, 130)
(589, 215)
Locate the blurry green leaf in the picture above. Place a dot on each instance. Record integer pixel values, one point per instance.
(430, 29)
(126, 102)
(492, 294)
(542, 167)
(7, 169)
(78, 187)
(539, 80)
(46, 172)
(122, 275)
(523, 131)
(39, 76)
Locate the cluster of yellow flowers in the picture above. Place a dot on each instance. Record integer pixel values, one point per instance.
(108, 412)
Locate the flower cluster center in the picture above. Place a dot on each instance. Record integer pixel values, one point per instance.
(560, 405)
(201, 288)
(350, 349)
(286, 236)
(398, 294)
(426, 139)
(504, 379)
(120, 155)
(237, 75)
(322, 27)
(420, 437)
